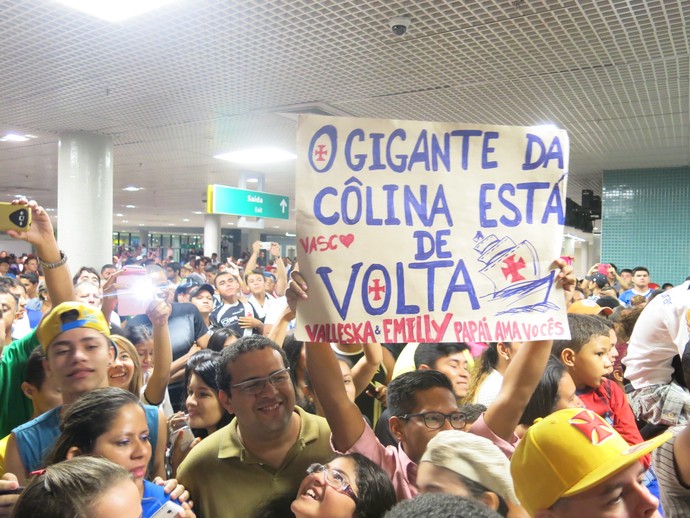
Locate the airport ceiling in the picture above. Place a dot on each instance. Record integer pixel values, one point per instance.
(199, 77)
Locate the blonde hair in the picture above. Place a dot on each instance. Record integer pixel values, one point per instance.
(125, 345)
(482, 368)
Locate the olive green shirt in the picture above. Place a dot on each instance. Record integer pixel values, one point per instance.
(225, 480)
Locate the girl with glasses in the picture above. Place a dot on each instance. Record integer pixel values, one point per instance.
(349, 486)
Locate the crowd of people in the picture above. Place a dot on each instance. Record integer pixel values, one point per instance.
(188, 393)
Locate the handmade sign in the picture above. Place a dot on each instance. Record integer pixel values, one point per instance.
(429, 232)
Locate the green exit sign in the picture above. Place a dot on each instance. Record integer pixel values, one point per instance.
(241, 202)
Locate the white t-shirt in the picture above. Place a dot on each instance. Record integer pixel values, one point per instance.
(489, 389)
(660, 333)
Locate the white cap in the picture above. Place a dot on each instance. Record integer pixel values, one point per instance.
(473, 457)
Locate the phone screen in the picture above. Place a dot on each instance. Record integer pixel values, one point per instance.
(135, 292)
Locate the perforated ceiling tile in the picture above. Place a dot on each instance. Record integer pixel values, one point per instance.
(199, 77)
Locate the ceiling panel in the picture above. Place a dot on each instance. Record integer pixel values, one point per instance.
(199, 77)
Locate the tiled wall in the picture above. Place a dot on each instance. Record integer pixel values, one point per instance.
(645, 215)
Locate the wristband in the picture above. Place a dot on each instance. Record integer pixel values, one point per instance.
(56, 264)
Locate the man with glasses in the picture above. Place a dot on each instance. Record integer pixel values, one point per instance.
(421, 404)
(264, 452)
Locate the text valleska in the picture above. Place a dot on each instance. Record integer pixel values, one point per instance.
(430, 329)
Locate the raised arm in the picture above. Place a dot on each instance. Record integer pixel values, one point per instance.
(110, 295)
(251, 262)
(159, 312)
(279, 329)
(363, 371)
(625, 285)
(343, 416)
(41, 236)
(520, 380)
(523, 375)
(281, 271)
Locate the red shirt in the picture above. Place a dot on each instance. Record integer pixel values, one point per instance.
(609, 402)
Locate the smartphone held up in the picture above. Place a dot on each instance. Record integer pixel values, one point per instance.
(135, 291)
(14, 217)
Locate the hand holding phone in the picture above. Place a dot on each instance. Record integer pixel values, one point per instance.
(169, 510)
(185, 437)
(17, 491)
(135, 292)
(604, 268)
(14, 217)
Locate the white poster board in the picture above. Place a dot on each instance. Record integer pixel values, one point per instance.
(429, 232)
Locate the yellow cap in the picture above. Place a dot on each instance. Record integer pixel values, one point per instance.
(569, 452)
(70, 315)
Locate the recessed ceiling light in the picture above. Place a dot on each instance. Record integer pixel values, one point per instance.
(14, 137)
(132, 188)
(171, 224)
(230, 223)
(50, 210)
(258, 155)
(125, 221)
(115, 11)
(141, 224)
(130, 207)
(119, 215)
(185, 219)
(276, 226)
(197, 212)
(252, 180)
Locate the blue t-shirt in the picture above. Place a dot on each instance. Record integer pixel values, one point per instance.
(627, 295)
(153, 499)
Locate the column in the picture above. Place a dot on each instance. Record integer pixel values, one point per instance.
(211, 234)
(568, 246)
(249, 236)
(85, 198)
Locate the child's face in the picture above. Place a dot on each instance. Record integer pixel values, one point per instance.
(623, 494)
(592, 362)
(145, 352)
(613, 352)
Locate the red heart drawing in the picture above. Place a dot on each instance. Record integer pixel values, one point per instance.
(347, 240)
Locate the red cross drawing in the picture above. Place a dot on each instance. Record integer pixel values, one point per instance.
(377, 289)
(513, 268)
(594, 428)
(320, 152)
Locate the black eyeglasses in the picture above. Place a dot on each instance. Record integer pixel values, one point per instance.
(333, 478)
(435, 420)
(256, 385)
